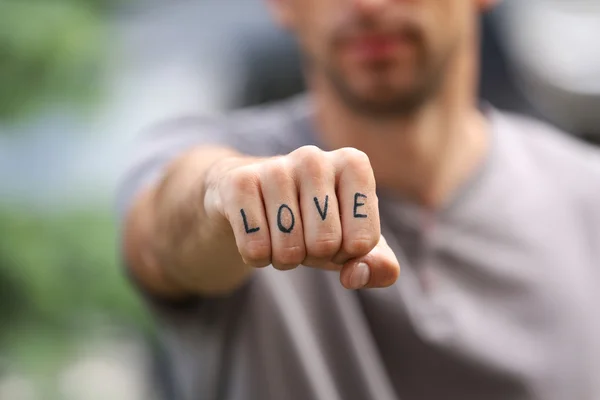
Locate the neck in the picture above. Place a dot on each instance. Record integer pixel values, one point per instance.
(424, 157)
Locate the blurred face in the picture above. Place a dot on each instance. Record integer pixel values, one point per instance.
(380, 56)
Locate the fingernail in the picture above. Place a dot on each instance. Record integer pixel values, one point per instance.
(360, 276)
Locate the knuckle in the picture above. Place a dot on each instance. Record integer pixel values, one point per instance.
(354, 158)
(315, 169)
(309, 155)
(324, 247)
(257, 252)
(290, 255)
(242, 180)
(311, 162)
(276, 172)
(308, 152)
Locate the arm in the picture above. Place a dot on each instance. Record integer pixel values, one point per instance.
(171, 246)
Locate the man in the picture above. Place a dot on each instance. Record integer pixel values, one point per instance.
(495, 220)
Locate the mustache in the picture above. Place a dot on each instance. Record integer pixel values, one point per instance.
(399, 24)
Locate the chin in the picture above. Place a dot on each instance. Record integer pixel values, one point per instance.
(386, 92)
(384, 82)
(384, 101)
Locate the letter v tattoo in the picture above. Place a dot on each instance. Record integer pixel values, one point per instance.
(322, 213)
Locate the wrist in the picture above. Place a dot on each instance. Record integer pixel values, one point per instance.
(145, 252)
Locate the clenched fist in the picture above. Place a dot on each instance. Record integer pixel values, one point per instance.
(311, 207)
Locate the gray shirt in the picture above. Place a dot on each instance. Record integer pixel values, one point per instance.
(498, 296)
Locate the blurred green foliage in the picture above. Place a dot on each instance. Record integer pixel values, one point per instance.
(60, 281)
(51, 52)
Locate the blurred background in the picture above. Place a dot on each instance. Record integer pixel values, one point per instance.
(80, 78)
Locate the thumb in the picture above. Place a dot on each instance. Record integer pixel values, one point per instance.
(378, 269)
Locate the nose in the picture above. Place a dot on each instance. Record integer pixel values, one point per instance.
(370, 7)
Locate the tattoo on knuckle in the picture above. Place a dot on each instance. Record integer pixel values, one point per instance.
(247, 227)
(322, 206)
(359, 202)
(286, 221)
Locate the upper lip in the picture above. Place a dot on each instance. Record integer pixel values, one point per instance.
(371, 36)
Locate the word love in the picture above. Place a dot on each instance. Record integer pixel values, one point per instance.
(285, 210)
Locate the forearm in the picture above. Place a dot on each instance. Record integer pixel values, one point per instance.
(174, 248)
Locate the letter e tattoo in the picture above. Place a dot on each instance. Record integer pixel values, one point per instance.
(357, 204)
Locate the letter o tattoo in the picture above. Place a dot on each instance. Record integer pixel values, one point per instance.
(280, 222)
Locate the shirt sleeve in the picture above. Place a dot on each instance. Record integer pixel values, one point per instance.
(154, 149)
